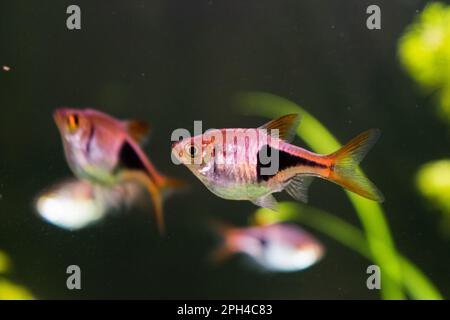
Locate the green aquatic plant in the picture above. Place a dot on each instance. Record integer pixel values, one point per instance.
(5, 262)
(379, 245)
(433, 182)
(10, 290)
(424, 51)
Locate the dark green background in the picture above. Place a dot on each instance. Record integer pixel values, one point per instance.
(172, 62)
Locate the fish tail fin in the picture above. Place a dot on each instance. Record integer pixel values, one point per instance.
(344, 166)
(224, 249)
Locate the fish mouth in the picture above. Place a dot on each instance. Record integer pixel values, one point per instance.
(58, 116)
(176, 149)
(176, 152)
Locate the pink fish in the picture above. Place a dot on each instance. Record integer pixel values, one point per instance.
(276, 247)
(252, 164)
(104, 150)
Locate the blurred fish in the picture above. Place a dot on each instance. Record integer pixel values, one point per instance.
(74, 204)
(251, 164)
(276, 247)
(106, 151)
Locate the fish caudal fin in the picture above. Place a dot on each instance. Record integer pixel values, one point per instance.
(344, 167)
(225, 249)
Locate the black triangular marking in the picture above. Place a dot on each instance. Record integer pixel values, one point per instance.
(129, 158)
(286, 160)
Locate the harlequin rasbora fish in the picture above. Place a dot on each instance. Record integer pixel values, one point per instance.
(106, 151)
(280, 247)
(232, 163)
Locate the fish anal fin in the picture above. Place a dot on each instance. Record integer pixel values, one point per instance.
(153, 190)
(297, 187)
(286, 126)
(138, 130)
(267, 201)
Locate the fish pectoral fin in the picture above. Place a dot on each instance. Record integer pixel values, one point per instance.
(286, 126)
(138, 130)
(267, 201)
(297, 187)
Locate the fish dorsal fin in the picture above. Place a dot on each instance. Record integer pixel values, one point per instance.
(267, 201)
(286, 126)
(298, 186)
(138, 130)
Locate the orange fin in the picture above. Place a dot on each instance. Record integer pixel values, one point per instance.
(153, 190)
(224, 250)
(220, 227)
(286, 126)
(168, 186)
(172, 183)
(344, 167)
(220, 254)
(138, 130)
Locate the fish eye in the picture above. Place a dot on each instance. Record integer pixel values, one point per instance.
(73, 122)
(192, 150)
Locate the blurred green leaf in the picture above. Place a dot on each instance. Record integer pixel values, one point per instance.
(433, 182)
(424, 51)
(5, 262)
(12, 291)
(8, 289)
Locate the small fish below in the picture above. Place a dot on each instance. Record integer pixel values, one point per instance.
(74, 204)
(279, 247)
(106, 151)
(252, 164)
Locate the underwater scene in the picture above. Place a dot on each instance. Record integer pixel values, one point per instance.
(225, 150)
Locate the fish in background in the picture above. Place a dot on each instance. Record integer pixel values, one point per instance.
(105, 151)
(279, 247)
(232, 163)
(74, 204)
